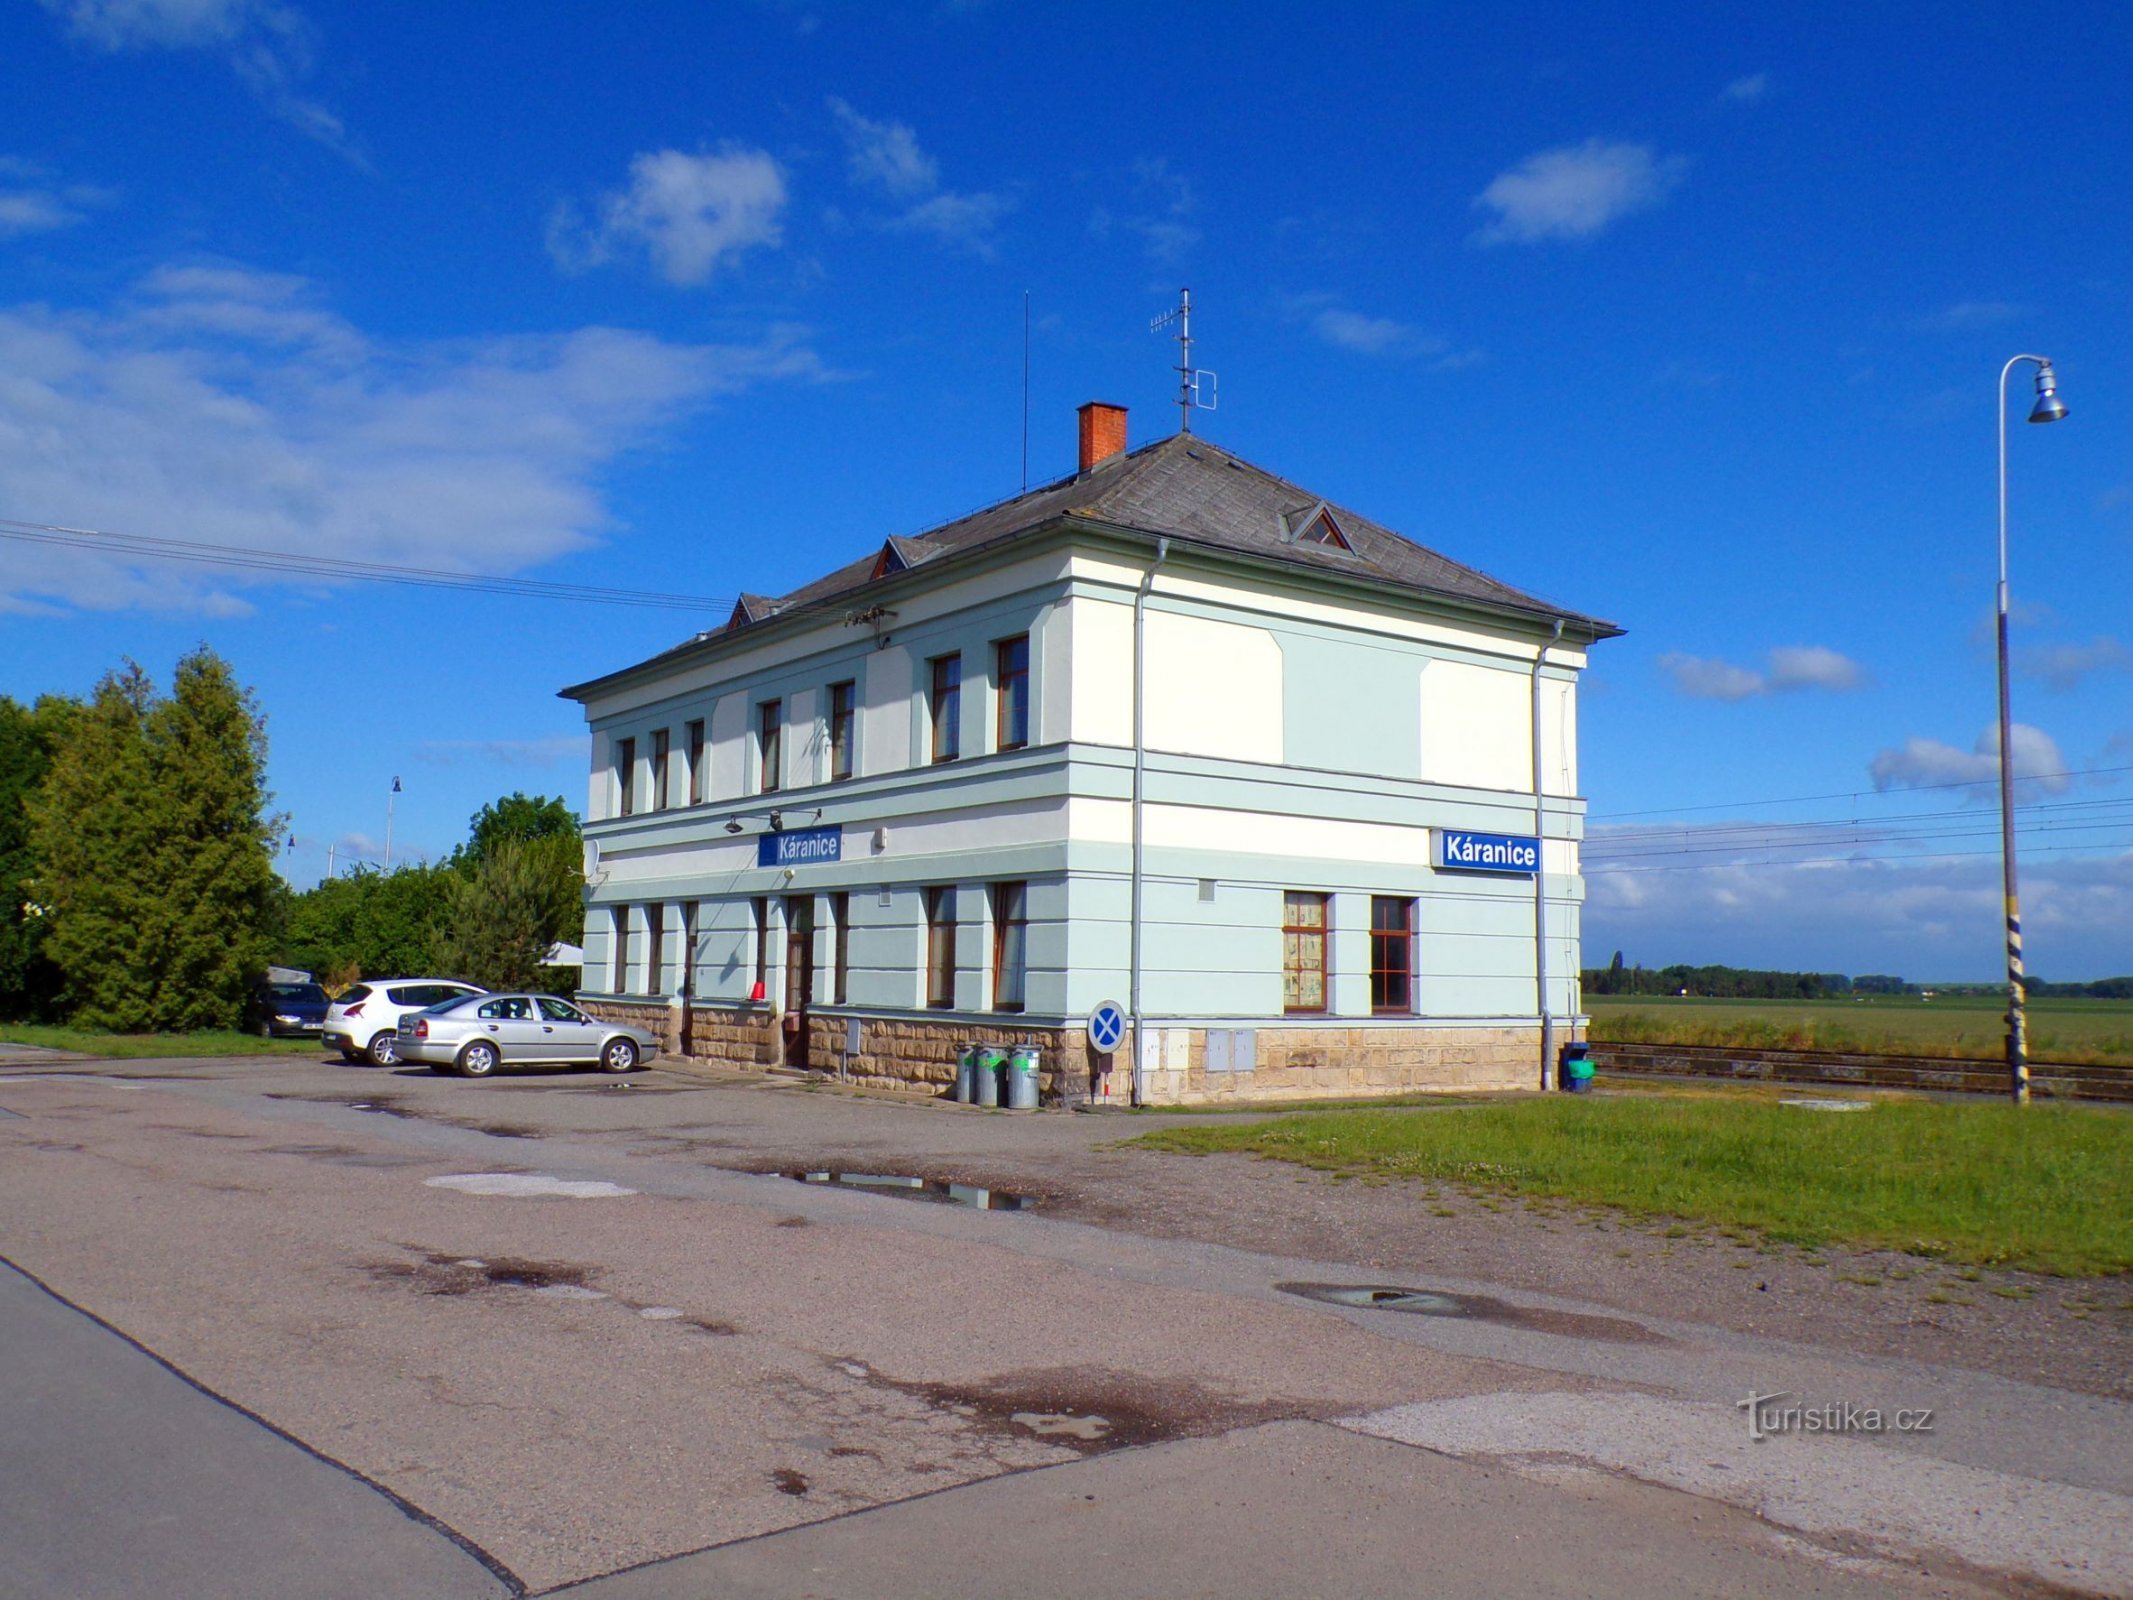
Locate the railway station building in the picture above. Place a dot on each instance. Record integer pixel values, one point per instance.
(1296, 794)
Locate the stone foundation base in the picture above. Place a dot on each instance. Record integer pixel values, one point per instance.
(1288, 1063)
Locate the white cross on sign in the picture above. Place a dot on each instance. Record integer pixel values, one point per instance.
(1107, 1027)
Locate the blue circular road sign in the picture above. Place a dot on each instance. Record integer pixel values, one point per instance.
(1107, 1027)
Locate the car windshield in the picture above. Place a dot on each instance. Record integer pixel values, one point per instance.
(295, 991)
(351, 995)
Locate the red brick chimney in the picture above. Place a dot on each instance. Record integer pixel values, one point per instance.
(1103, 433)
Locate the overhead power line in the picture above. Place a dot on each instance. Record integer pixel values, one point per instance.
(288, 563)
(1854, 795)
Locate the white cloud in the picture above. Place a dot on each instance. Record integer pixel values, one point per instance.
(1927, 919)
(267, 44)
(234, 408)
(1746, 91)
(1790, 667)
(33, 200)
(886, 157)
(966, 220)
(2063, 666)
(687, 212)
(1812, 666)
(1575, 191)
(1928, 763)
(501, 752)
(1975, 314)
(1370, 336)
(1160, 207)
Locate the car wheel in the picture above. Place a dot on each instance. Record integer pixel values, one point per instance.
(384, 1048)
(477, 1060)
(620, 1055)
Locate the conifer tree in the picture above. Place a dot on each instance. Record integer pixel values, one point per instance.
(153, 860)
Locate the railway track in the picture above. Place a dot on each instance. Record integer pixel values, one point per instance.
(2047, 1080)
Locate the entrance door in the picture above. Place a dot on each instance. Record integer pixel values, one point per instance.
(799, 975)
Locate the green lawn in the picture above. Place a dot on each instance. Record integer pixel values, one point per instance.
(2049, 1188)
(1968, 1026)
(133, 1046)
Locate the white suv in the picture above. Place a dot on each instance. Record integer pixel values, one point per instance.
(364, 1023)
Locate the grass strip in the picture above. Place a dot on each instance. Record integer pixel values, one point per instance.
(2048, 1188)
(139, 1046)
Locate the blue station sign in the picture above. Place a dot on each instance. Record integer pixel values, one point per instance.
(1515, 854)
(800, 848)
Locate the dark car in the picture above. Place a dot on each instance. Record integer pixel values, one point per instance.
(286, 1011)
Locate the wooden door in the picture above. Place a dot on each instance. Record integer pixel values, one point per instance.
(799, 975)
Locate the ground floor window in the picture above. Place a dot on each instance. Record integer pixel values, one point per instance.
(940, 948)
(1010, 944)
(762, 948)
(840, 946)
(1392, 953)
(655, 963)
(622, 949)
(1303, 952)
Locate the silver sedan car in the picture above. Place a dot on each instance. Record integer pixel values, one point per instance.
(476, 1035)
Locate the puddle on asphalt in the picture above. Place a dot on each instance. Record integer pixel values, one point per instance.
(1477, 1307)
(1087, 1409)
(451, 1276)
(947, 1193)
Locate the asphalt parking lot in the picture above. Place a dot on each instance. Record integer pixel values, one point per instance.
(567, 1332)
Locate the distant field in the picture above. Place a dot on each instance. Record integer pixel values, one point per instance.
(1967, 1026)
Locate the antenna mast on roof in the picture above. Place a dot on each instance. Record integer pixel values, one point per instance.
(1196, 389)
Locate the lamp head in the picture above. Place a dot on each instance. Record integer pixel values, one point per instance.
(2049, 407)
(733, 826)
(777, 822)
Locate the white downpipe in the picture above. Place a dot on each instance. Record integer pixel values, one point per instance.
(1540, 871)
(1133, 974)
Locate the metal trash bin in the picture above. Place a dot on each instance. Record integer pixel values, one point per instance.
(1022, 1077)
(986, 1086)
(1575, 1074)
(966, 1074)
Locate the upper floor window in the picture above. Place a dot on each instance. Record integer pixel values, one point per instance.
(662, 751)
(1303, 952)
(945, 707)
(626, 777)
(1010, 944)
(1392, 953)
(696, 762)
(770, 743)
(1011, 671)
(840, 731)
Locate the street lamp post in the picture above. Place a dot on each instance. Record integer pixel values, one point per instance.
(393, 793)
(2048, 408)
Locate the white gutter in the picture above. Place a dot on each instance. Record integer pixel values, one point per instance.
(1540, 872)
(1133, 998)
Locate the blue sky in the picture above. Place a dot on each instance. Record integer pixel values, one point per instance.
(1688, 319)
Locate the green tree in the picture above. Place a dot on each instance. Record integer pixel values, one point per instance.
(154, 851)
(517, 816)
(501, 915)
(370, 924)
(29, 980)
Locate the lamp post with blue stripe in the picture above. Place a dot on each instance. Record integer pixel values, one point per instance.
(2048, 408)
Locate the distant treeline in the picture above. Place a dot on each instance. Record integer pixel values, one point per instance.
(1746, 983)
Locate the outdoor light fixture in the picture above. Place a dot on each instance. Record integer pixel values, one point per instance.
(777, 822)
(733, 826)
(2049, 408)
